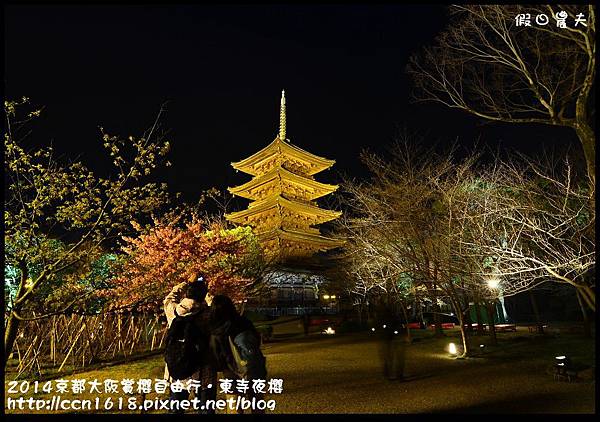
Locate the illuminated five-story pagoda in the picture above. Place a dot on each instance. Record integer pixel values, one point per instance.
(283, 212)
(284, 215)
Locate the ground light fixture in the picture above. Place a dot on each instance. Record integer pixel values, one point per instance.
(329, 331)
(452, 349)
(562, 368)
(561, 360)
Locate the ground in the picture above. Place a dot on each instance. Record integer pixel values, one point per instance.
(342, 374)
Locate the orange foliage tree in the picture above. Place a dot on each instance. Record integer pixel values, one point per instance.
(168, 254)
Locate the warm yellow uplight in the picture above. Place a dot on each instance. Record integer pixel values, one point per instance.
(493, 283)
(325, 297)
(333, 296)
(452, 349)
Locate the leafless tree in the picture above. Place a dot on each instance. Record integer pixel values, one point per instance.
(532, 223)
(488, 66)
(404, 222)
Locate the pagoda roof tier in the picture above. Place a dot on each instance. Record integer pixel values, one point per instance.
(278, 174)
(279, 149)
(258, 207)
(315, 241)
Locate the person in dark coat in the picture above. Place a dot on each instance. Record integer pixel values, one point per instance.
(230, 329)
(189, 298)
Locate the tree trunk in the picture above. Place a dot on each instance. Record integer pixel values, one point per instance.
(439, 332)
(460, 314)
(538, 320)
(589, 296)
(464, 336)
(587, 329)
(468, 321)
(408, 337)
(10, 335)
(480, 331)
(12, 325)
(588, 141)
(491, 324)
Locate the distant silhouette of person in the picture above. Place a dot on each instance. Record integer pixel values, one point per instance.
(392, 347)
(306, 323)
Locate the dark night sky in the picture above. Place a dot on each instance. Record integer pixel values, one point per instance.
(222, 69)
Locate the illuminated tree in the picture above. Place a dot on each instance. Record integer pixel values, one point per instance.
(486, 65)
(533, 223)
(59, 214)
(405, 224)
(169, 253)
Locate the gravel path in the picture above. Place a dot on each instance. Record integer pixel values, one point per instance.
(342, 375)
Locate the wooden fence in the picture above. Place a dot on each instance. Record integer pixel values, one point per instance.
(76, 341)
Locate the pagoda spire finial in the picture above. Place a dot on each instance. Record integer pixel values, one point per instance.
(282, 117)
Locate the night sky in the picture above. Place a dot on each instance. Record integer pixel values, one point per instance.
(222, 69)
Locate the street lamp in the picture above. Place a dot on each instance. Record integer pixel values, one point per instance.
(494, 284)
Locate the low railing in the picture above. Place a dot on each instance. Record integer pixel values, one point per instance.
(76, 341)
(296, 310)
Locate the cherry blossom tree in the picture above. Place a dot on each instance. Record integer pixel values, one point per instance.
(170, 252)
(58, 214)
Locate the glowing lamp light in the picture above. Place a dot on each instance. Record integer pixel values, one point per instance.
(329, 330)
(373, 329)
(333, 296)
(395, 331)
(561, 360)
(452, 349)
(325, 296)
(493, 283)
